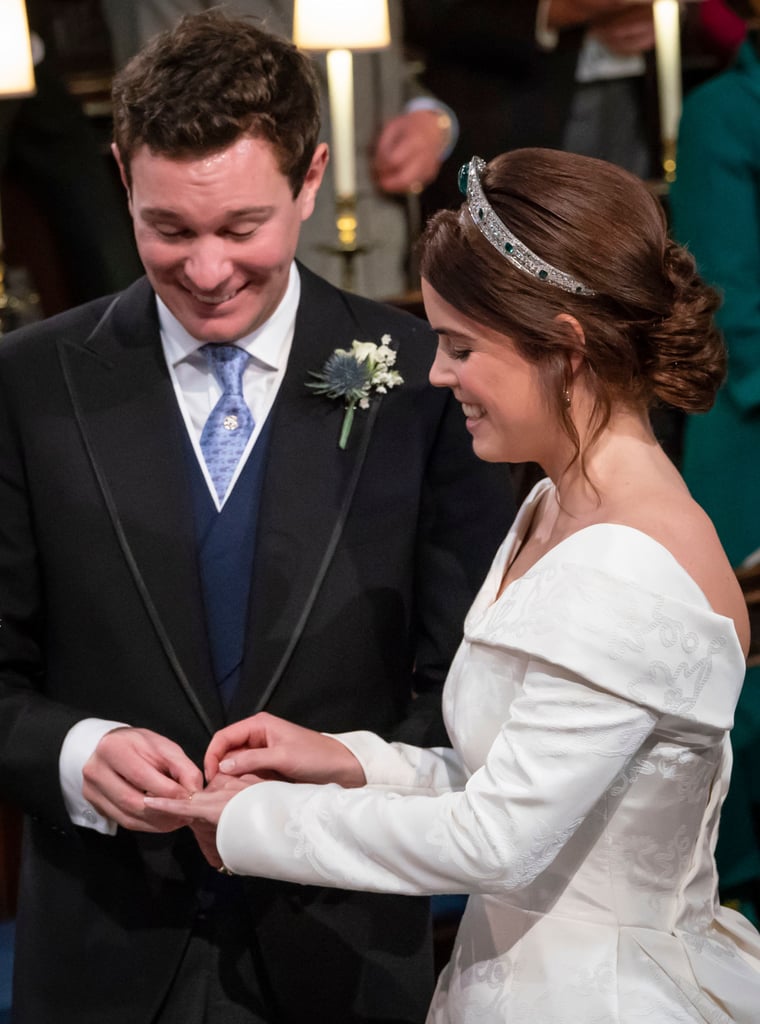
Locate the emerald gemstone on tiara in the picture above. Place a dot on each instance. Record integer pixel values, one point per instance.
(501, 238)
(462, 179)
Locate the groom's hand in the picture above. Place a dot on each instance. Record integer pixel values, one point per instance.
(626, 32)
(128, 763)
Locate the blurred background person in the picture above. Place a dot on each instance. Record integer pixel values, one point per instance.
(567, 74)
(49, 147)
(715, 204)
(563, 74)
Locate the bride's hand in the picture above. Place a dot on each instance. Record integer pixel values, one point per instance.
(204, 806)
(268, 747)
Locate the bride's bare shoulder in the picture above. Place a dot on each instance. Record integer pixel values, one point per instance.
(677, 522)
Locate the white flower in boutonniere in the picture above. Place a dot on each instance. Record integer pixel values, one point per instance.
(354, 375)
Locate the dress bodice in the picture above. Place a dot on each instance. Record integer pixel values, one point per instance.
(588, 706)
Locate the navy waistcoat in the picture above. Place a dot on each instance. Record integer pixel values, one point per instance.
(225, 545)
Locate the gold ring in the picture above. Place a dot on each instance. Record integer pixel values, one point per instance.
(225, 871)
(416, 187)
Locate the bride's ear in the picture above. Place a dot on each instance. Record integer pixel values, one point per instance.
(578, 338)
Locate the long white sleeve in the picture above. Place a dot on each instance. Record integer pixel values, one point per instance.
(404, 767)
(555, 689)
(563, 745)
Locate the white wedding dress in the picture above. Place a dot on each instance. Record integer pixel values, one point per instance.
(589, 707)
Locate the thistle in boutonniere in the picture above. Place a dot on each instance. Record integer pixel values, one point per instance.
(354, 375)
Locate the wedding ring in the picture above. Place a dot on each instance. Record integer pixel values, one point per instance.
(225, 871)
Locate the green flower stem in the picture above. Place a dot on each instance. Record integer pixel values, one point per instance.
(348, 419)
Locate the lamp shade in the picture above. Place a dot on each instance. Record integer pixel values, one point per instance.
(16, 66)
(341, 24)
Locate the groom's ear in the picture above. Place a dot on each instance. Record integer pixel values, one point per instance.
(123, 172)
(316, 172)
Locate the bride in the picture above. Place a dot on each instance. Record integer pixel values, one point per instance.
(590, 703)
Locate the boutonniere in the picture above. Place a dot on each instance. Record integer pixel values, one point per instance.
(353, 375)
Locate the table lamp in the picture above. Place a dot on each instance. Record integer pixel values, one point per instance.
(339, 27)
(16, 81)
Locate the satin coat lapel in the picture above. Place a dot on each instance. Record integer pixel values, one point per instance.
(308, 486)
(133, 430)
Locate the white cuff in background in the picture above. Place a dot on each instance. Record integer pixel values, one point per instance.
(547, 38)
(452, 126)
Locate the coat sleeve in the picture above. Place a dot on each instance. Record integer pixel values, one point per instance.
(32, 726)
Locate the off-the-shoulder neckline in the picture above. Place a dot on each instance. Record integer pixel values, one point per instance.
(526, 511)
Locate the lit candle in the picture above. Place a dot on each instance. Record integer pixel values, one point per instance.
(16, 64)
(340, 78)
(668, 53)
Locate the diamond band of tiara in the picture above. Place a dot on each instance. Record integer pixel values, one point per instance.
(501, 237)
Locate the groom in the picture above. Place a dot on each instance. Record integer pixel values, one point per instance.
(183, 541)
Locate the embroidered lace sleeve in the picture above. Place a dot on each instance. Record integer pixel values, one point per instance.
(404, 767)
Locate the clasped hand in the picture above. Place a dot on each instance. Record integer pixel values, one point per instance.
(625, 27)
(146, 782)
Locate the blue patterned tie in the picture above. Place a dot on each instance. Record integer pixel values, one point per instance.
(230, 423)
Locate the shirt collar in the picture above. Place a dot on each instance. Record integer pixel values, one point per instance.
(268, 345)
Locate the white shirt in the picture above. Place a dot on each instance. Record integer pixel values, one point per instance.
(197, 389)
(197, 392)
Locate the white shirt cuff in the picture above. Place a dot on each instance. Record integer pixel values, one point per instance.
(431, 103)
(76, 749)
(547, 38)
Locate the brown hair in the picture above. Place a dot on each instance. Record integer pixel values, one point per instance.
(649, 330)
(198, 87)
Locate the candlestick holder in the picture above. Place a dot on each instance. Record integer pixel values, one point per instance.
(19, 302)
(345, 221)
(346, 246)
(669, 160)
(340, 27)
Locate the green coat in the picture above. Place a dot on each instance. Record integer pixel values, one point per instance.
(715, 205)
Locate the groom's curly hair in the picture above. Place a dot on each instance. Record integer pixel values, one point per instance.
(197, 88)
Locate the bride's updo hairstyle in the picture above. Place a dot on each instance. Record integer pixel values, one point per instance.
(646, 314)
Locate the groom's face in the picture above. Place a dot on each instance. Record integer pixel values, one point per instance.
(217, 233)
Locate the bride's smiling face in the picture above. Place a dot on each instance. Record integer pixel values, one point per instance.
(499, 390)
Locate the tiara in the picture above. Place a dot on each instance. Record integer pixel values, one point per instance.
(501, 237)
